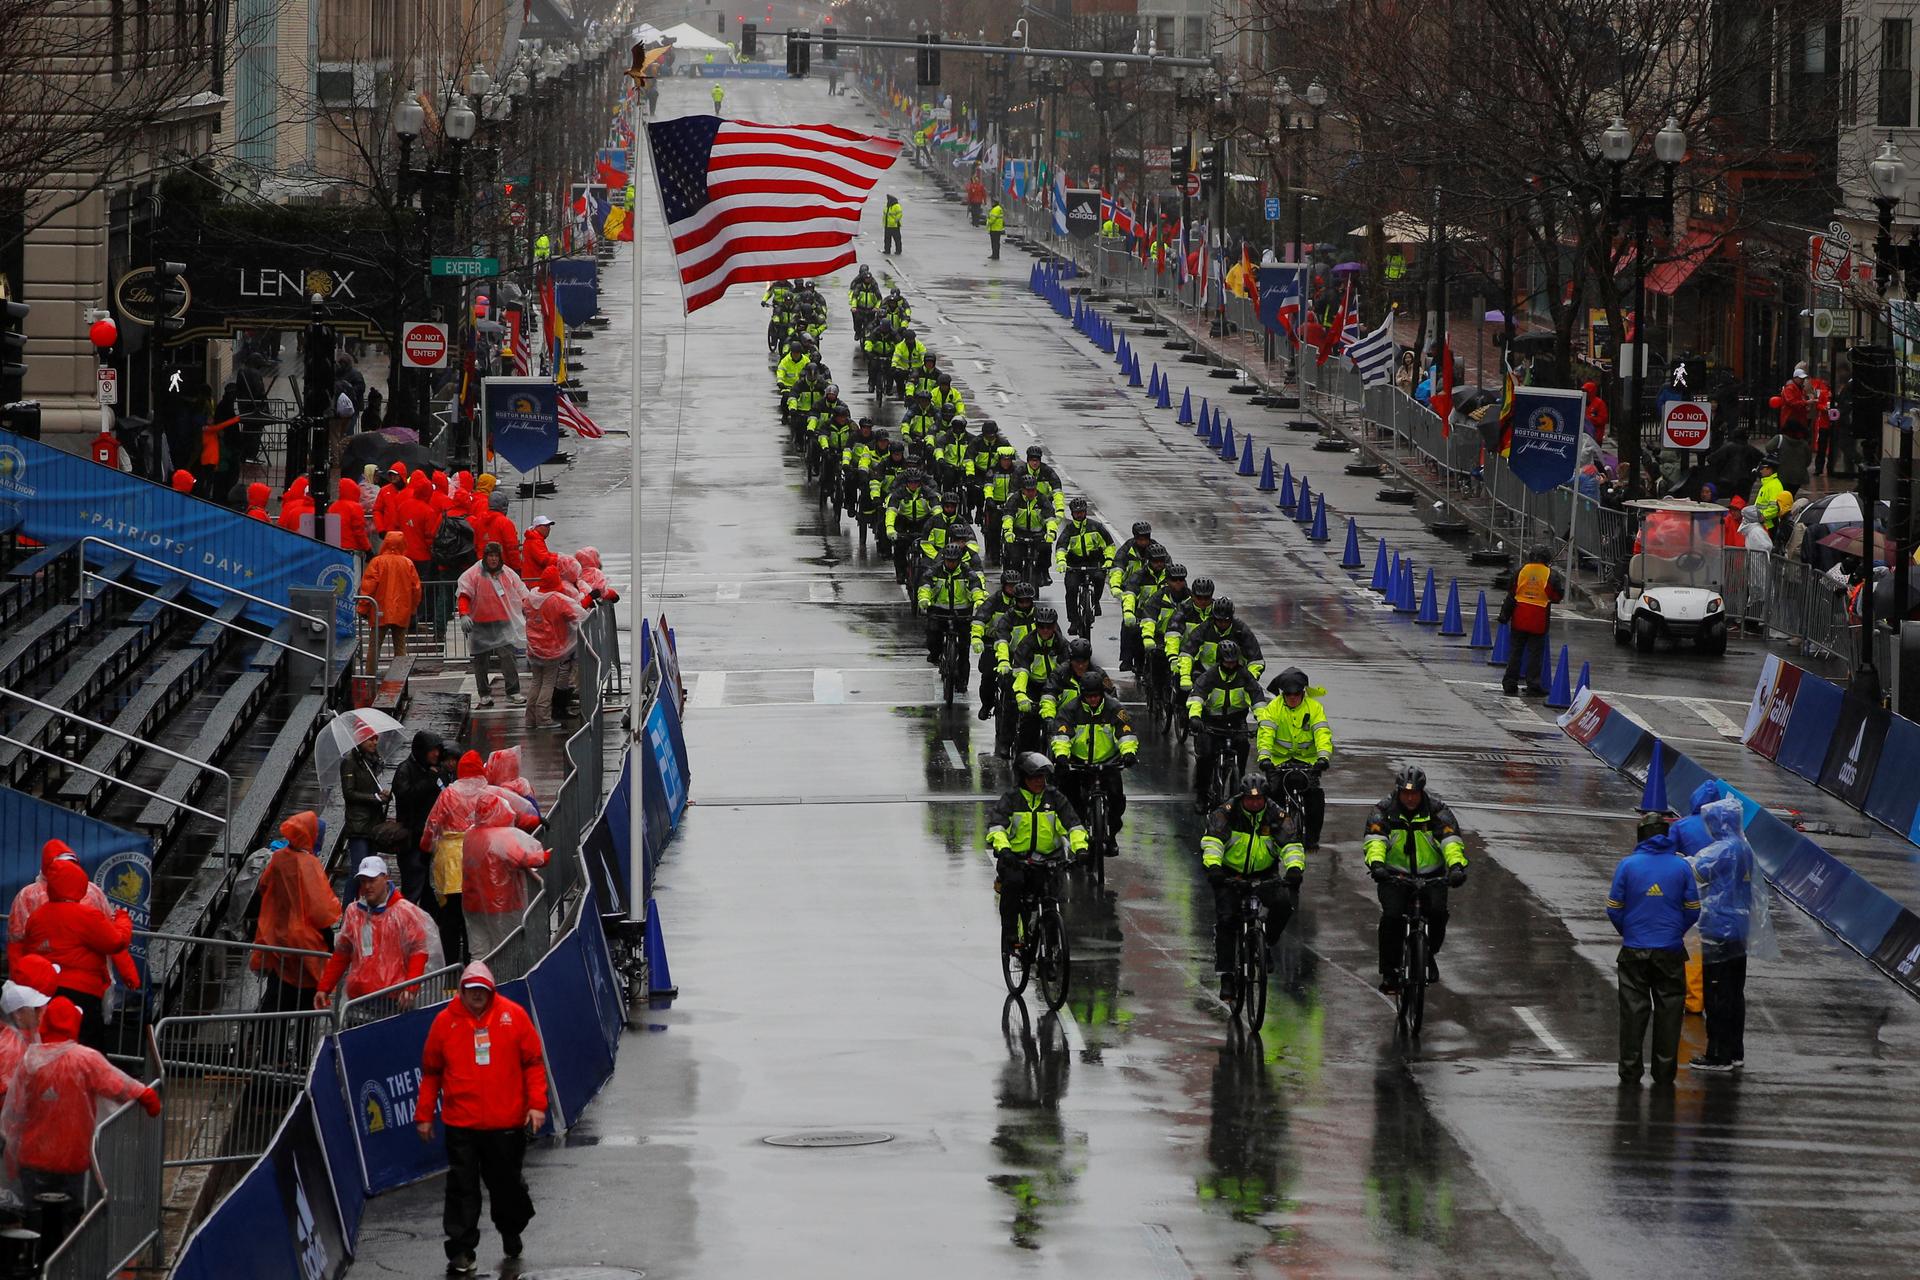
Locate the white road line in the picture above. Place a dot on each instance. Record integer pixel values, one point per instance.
(821, 593)
(953, 755)
(1028, 428)
(1539, 1029)
(979, 366)
(709, 691)
(726, 591)
(1003, 397)
(829, 685)
(1720, 720)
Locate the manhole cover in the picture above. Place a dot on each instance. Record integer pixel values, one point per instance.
(583, 1273)
(829, 1138)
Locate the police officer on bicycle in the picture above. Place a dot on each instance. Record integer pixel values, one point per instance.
(1217, 709)
(1250, 842)
(1032, 822)
(1294, 732)
(1414, 834)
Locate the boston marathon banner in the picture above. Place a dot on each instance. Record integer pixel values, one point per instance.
(523, 420)
(1546, 435)
(60, 497)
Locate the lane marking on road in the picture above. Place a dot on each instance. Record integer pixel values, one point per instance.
(953, 755)
(1070, 1029)
(1003, 397)
(821, 593)
(979, 366)
(710, 691)
(1720, 720)
(726, 591)
(1539, 1029)
(1028, 428)
(829, 685)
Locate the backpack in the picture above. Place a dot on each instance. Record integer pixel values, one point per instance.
(453, 542)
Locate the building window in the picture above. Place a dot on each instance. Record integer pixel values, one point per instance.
(1163, 34)
(1896, 72)
(1850, 72)
(1195, 45)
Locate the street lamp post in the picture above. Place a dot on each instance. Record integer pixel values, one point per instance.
(1669, 148)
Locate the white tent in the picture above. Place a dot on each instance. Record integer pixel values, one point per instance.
(686, 36)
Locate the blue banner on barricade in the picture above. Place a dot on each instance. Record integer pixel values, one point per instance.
(565, 1006)
(334, 1121)
(1803, 748)
(380, 1064)
(281, 1220)
(120, 862)
(601, 980)
(608, 848)
(61, 497)
(665, 788)
(1894, 797)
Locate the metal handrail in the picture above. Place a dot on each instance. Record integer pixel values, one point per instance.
(373, 630)
(186, 608)
(324, 625)
(232, 943)
(226, 825)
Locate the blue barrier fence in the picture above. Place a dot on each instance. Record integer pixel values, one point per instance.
(1854, 909)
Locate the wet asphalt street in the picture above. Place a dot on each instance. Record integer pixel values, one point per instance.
(828, 904)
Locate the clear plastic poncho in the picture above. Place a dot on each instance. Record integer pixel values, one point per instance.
(380, 945)
(48, 1119)
(1735, 919)
(495, 860)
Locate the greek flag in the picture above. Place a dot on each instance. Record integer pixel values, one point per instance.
(1373, 354)
(1059, 202)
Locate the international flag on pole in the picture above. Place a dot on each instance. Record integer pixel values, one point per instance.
(575, 419)
(1441, 398)
(1291, 303)
(1351, 332)
(1506, 410)
(1335, 325)
(1373, 354)
(749, 202)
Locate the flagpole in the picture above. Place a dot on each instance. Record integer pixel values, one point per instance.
(636, 723)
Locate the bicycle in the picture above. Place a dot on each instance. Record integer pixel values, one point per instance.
(1223, 772)
(1028, 557)
(1097, 820)
(1080, 602)
(1037, 949)
(1410, 1000)
(1248, 970)
(953, 656)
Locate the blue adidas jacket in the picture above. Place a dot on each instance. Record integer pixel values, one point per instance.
(1654, 900)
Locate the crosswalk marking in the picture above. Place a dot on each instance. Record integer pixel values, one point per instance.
(709, 690)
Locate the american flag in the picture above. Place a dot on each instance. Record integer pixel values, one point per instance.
(575, 419)
(752, 202)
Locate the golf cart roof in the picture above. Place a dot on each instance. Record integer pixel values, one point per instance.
(1680, 506)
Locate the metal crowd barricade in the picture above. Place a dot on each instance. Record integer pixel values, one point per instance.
(123, 1219)
(428, 989)
(228, 1079)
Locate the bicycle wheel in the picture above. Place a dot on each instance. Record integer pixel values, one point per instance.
(1016, 959)
(1097, 834)
(1413, 980)
(1052, 963)
(946, 681)
(1252, 995)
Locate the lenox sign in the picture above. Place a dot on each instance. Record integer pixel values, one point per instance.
(274, 282)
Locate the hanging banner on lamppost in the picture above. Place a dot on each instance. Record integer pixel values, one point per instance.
(1083, 213)
(523, 419)
(1546, 435)
(576, 288)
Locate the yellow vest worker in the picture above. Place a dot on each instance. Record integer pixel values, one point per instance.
(1293, 732)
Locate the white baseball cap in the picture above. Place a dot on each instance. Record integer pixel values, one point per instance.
(370, 866)
(541, 522)
(15, 997)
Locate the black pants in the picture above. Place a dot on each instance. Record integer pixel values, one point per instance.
(452, 920)
(1094, 577)
(1525, 652)
(891, 241)
(1279, 897)
(414, 867)
(1018, 884)
(1726, 1007)
(1396, 896)
(994, 236)
(1206, 747)
(284, 997)
(493, 1157)
(1653, 988)
(1079, 784)
(93, 1020)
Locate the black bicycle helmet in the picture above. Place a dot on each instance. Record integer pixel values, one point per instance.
(1035, 453)
(962, 532)
(1077, 506)
(1229, 652)
(1411, 777)
(1253, 784)
(1093, 683)
(952, 551)
(945, 379)
(1223, 609)
(1292, 680)
(1029, 481)
(1203, 586)
(1156, 551)
(1080, 650)
(1176, 570)
(1010, 579)
(1032, 764)
(959, 422)
(1141, 529)
(1023, 593)
(949, 499)
(914, 475)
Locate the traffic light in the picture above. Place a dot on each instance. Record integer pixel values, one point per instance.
(798, 53)
(769, 15)
(1209, 166)
(13, 345)
(1177, 161)
(169, 297)
(927, 62)
(829, 43)
(749, 39)
(720, 22)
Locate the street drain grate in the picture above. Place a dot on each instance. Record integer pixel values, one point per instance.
(829, 1138)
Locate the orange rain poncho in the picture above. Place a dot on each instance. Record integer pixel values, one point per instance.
(296, 905)
(393, 582)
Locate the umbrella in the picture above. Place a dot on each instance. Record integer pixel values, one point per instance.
(382, 451)
(1496, 317)
(1883, 593)
(1826, 515)
(346, 731)
(1847, 540)
(1348, 268)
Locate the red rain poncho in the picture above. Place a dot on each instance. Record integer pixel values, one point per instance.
(76, 936)
(49, 1117)
(553, 619)
(378, 947)
(33, 896)
(590, 573)
(353, 518)
(494, 861)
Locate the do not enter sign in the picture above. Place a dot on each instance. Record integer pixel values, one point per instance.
(423, 345)
(1686, 424)
(1193, 184)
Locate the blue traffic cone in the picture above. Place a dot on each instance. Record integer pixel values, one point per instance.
(1403, 601)
(1559, 695)
(1450, 624)
(1429, 615)
(1502, 640)
(1267, 483)
(1382, 571)
(1228, 449)
(1077, 318)
(1653, 798)
(1121, 358)
(1586, 674)
(1133, 370)
(1482, 637)
(1286, 488)
(1166, 393)
(1319, 531)
(1350, 558)
(1207, 427)
(1186, 408)
(1246, 453)
(659, 976)
(1303, 509)
(1153, 381)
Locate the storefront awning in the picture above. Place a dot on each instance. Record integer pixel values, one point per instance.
(1694, 248)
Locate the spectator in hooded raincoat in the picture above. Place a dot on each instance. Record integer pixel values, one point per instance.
(352, 514)
(495, 859)
(417, 785)
(492, 602)
(81, 942)
(444, 837)
(553, 629)
(20, 1007)
(297, 908)
(394, 585)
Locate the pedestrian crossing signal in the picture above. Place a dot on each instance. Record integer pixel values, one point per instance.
(798, 53)
(749, 39)
(927, 61)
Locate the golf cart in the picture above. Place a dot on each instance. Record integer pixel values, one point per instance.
(1673, 577)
